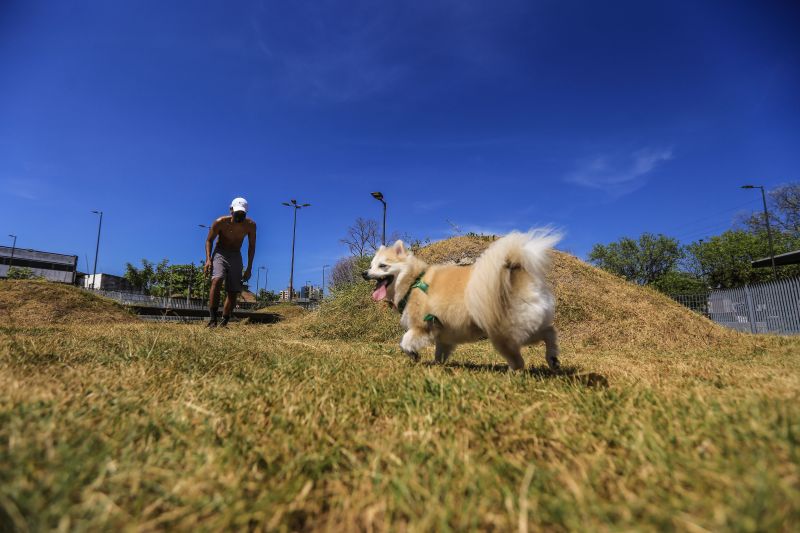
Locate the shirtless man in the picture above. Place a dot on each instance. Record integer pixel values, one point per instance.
(226, 261)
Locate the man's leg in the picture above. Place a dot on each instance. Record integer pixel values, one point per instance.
(213, 301)
(233, 285)
(230, 303)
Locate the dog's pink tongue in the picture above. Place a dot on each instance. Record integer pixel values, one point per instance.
(380, 293)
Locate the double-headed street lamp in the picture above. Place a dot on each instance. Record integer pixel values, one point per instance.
(769, 231)
(97, 249)
(13, 248)
(379, 196)
(296, 206)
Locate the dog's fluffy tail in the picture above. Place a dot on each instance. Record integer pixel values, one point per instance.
(489, 297)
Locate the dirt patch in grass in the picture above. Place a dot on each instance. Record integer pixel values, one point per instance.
(36, 303)
(595, 308)
(286, 311)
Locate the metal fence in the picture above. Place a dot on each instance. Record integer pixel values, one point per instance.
(163, 302)
(772, 307)
(134, 298)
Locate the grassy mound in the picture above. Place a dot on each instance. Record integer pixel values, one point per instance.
(350, 314)
(595, 308)
(36, 303)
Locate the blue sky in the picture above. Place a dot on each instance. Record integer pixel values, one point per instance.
(605, 119)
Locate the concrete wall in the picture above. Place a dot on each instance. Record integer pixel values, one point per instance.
(47, 265)
(60, 276)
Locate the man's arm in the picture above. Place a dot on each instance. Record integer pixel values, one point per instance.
(212, 234)
(251, 251)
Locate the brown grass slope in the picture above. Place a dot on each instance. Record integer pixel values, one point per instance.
(595, 308)
(38, 303)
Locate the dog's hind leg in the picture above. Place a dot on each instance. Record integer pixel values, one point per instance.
(510, 353)
(413, 341)
(550, 339)
(443, 352)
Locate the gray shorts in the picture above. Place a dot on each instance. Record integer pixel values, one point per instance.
(228, 266)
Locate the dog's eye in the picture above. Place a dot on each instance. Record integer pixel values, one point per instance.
(383, 266)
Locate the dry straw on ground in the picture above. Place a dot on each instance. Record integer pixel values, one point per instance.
(38, 303)
(659, 421)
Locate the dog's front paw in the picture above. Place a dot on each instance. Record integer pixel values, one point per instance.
(413, 355)
(553, 363)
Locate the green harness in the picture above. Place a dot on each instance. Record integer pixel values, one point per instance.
(421, 285)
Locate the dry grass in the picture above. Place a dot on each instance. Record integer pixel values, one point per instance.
(288, 427)
(351, 314)
(177, 427)
(36, 303)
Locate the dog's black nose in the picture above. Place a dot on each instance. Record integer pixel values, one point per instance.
(365, 275)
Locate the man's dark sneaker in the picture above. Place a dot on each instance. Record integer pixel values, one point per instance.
(211, 323)
(224, 322)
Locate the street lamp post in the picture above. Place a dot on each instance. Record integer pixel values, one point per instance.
(258, 278)
(191, 280)
(323, 279)
(13, 249)
(207, 228)
(296, 206)
(97, 249)
(769, 230)
(379, 196)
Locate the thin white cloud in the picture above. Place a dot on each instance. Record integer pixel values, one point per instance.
(27, 189)
(619, 175)
(331, 64)
(429, 205)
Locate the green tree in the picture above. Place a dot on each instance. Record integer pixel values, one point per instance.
(678, 282)
(141, 279)
(163, 279)
(265, 297)
(21, 273)
(641, 261)
(725, 260)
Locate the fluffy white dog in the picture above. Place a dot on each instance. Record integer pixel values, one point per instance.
(503, 297)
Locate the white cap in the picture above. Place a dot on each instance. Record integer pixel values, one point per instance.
(239, 204)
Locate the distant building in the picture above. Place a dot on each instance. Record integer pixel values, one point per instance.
(105, 282)
(310, 292)
(284, 295)
(48, 265)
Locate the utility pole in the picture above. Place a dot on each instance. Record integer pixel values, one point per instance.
(13, 249)
(769, 230)
(97, 249)
(323, 279)
(296, 207)
(191, 280)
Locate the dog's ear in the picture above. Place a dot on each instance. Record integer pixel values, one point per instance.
(399, 249)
